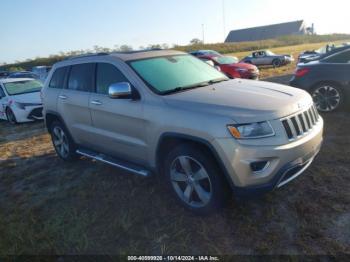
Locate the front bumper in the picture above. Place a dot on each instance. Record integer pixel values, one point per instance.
(30, 113)
(286, 162)
(253, 75)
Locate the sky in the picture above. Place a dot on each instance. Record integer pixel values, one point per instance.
(32, 28)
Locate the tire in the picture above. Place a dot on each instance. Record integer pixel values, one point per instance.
(328, 97)
(276, 63)
(62, 142)
(11, 117)
(195, 179)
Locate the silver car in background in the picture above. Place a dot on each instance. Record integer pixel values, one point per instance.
(268, 58)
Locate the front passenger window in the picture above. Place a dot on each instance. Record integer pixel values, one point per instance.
(81, 77)
(107, 74)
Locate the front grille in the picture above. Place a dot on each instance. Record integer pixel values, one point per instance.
(297, 125)
(36, 113)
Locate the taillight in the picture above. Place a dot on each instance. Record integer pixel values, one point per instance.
(300, 72)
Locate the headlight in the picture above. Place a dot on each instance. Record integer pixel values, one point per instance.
(253, 130)
(24, 105)
(20, 105)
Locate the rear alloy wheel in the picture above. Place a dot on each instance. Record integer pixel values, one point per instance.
(327, 97)
(63, 144)
(11, 116)
(195, 179)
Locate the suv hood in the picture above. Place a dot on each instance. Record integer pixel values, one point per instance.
(244, 101)
(33, 97)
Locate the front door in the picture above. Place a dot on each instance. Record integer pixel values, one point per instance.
(118, 123)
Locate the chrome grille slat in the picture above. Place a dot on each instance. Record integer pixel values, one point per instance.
(300, 124)
(292, 127)
(311, 117)
(307, 119)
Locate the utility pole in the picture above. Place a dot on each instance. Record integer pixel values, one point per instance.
(224, 18)
(203, 33)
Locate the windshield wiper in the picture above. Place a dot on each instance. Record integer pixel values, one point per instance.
(182, 88)
(202, 84)
(218, 80)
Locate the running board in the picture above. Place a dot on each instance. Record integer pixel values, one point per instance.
(114, 162)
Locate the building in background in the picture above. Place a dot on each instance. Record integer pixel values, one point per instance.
(269, 32)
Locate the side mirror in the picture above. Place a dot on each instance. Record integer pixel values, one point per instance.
(120, 90)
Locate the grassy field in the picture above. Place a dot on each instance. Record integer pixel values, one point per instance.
(51, 207)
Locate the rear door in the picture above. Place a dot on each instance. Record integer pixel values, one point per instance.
(339, 69)
(54, 88)
(259, 58)
(118, 123)
(73, 102)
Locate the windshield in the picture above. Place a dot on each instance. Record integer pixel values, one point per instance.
(225, 60)
(268, 52)
(22, 87)
(167, 73)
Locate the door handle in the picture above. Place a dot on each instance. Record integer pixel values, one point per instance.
(96, 102)
(63, 97)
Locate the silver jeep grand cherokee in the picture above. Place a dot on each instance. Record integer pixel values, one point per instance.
(167, 112)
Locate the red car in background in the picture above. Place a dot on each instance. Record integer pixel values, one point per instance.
(229, 65)
(232, 68)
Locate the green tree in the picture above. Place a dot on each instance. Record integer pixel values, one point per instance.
(196, 41)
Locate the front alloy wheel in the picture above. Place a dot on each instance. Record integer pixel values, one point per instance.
(195, 179)
(190, 181)
(327, 98)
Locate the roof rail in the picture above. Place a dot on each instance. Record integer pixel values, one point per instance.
(86, 55)
(111, 53)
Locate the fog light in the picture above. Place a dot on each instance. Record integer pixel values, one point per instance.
(259, 166)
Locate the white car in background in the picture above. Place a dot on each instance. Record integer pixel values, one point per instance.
(20, 100)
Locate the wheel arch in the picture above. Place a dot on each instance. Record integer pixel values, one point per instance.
(169, 140)
(50, 117)
(323, 82)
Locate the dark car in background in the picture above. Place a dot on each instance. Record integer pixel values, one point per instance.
(327, 79)
(319, 53)
(23, 74)
(4, 74)
(267, 57)
(198, 53)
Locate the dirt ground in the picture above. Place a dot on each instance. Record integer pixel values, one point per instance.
(51, 207)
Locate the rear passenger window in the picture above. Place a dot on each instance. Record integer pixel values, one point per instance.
(107, 74)
(57, 79)
(81, 77)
